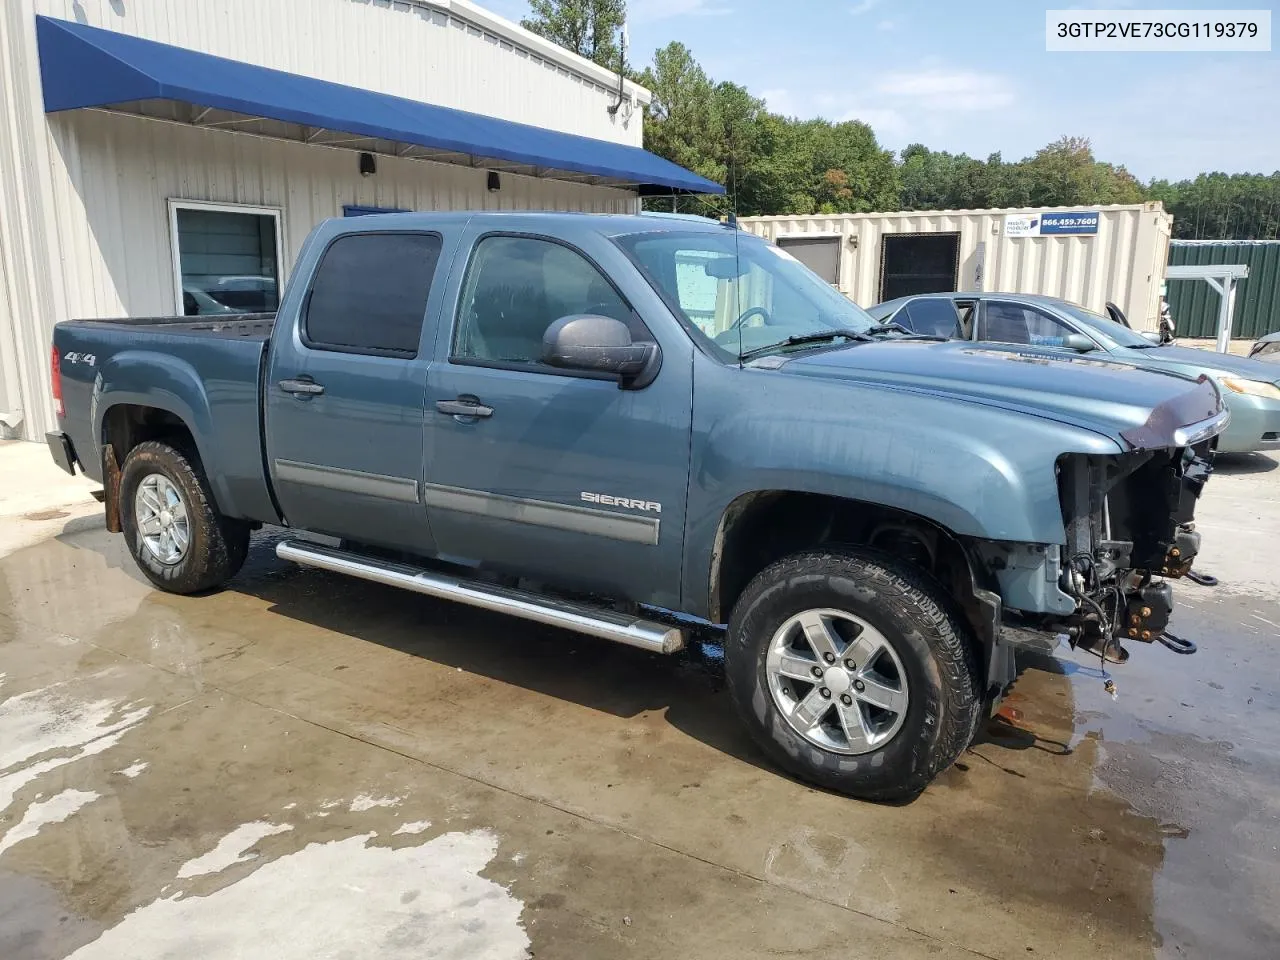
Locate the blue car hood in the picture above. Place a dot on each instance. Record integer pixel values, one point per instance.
(1135, 407)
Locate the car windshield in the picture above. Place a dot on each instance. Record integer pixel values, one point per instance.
(1116, 334)
(739, 294)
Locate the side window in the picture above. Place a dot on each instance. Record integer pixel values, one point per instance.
(1010, 323)
(369, 294)
(934, 316)
(516, 287)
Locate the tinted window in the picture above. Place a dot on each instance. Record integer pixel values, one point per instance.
(1011, 323)
(370, 291)
(937, 318)
(517, 287)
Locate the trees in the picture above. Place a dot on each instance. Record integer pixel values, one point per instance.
(770, 163)
(587, 27)
(773, 164)
(1218, 206)
(1066, 174)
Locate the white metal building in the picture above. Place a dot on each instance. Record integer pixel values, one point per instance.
(140, 176)
(1090, 256)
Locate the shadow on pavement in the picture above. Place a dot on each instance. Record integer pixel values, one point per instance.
(1242, 464)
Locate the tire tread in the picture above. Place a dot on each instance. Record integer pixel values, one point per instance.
(955, 653)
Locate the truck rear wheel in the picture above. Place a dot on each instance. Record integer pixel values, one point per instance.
(852, 672)
(173, 529)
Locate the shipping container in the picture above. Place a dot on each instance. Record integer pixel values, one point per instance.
(1195, 305)
(1091, 256)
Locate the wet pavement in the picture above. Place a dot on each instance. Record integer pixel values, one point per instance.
(309, 766)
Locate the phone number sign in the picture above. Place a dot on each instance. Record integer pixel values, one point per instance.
(1058, 223)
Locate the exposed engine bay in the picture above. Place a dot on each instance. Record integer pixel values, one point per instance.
(1130, 529)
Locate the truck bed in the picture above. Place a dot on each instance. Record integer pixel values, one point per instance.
(246, 326)
(204, 371)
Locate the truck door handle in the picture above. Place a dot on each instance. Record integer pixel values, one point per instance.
(464, 407)
(306, 388)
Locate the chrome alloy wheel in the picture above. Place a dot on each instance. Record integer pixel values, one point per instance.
(160, 517)
(837, 680)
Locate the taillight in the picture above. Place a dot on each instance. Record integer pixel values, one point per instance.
(55, 377)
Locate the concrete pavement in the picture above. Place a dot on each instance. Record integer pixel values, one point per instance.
(308, 766)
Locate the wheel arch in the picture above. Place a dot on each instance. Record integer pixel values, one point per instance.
(763, 526)
(122, 426)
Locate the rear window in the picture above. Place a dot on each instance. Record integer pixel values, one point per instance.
(933, 316)
(370, 293)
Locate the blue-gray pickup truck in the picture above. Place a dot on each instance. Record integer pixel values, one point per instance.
(640, 427)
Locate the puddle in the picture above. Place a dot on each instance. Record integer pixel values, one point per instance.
(345, 898)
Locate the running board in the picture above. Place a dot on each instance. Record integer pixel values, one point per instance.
(581, 618)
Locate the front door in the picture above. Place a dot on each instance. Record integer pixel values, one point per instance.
(545, 473)
(345, 389)
(1000, 321)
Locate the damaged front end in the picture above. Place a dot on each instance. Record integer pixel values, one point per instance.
(1129, 528)
(1129, 524)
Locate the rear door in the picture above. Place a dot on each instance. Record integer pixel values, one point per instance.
(557, 475)
(345, 386)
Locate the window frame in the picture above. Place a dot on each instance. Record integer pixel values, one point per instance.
(304, 335)
(539, 368)
(982, 322)
(175, 252)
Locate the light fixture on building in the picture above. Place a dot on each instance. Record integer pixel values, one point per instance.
(368, 166)
(495, 182)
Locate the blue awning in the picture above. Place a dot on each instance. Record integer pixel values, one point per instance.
(84, 66)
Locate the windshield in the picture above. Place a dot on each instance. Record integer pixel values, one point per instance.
(738, 293)
(1104, 327)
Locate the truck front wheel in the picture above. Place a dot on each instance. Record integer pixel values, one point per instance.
(171, 524)
(852, 672)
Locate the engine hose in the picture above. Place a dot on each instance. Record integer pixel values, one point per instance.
(1177, 644)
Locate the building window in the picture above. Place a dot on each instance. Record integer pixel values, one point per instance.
(226, 258)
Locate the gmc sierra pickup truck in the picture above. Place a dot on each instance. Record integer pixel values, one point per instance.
(637, 427)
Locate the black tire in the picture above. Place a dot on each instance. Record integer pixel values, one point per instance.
(916, 618)
(216, 546)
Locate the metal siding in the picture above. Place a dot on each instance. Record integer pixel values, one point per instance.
(84, 226)
(117, 215)
(1123, 263)
(1195, 305)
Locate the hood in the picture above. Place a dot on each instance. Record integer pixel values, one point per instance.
(1206, 361)
(1108, 397)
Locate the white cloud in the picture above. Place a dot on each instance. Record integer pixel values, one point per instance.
(889, 125)
(886, 25)
(780, 101)
(942, 90)
(646, 11)
(863, 6)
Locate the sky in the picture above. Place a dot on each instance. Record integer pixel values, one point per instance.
(974, 77)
